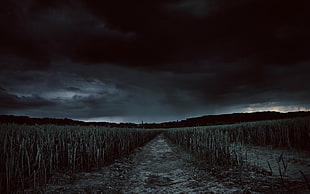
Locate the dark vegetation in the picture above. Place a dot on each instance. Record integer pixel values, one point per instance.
(215, 143)
(31, 154)
(32, 150)
(197, 121)
(220, 145)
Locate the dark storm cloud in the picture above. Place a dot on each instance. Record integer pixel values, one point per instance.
(73, 89)
(14, 102)
(40, 31)
(159, 32)
(111, 91)
(59, 87)
(269, 32)
(161, 59)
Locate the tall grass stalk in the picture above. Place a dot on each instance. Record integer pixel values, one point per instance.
(218, 144)
(29, 155)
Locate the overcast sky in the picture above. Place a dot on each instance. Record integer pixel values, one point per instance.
(128, 61)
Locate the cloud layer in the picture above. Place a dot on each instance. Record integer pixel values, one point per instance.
(152, 61)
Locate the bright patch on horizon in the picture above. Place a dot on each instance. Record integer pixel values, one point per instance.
(274, 107)
(115, 119)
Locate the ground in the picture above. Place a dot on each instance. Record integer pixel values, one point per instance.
(161, 167)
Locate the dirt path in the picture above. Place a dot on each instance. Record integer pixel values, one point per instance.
(158, 167)
(161, 167)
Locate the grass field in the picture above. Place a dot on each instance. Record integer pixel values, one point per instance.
(216, 143)
(273, 146)
(29, 155)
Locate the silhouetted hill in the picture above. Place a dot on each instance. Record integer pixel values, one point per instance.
(40, 121)
(190, 122)
(236, 118)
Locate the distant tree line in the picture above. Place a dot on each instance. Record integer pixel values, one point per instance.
(190, 122)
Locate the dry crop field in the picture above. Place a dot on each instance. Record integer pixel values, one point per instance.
(281, 147)
(30, 155)
(216, 143)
